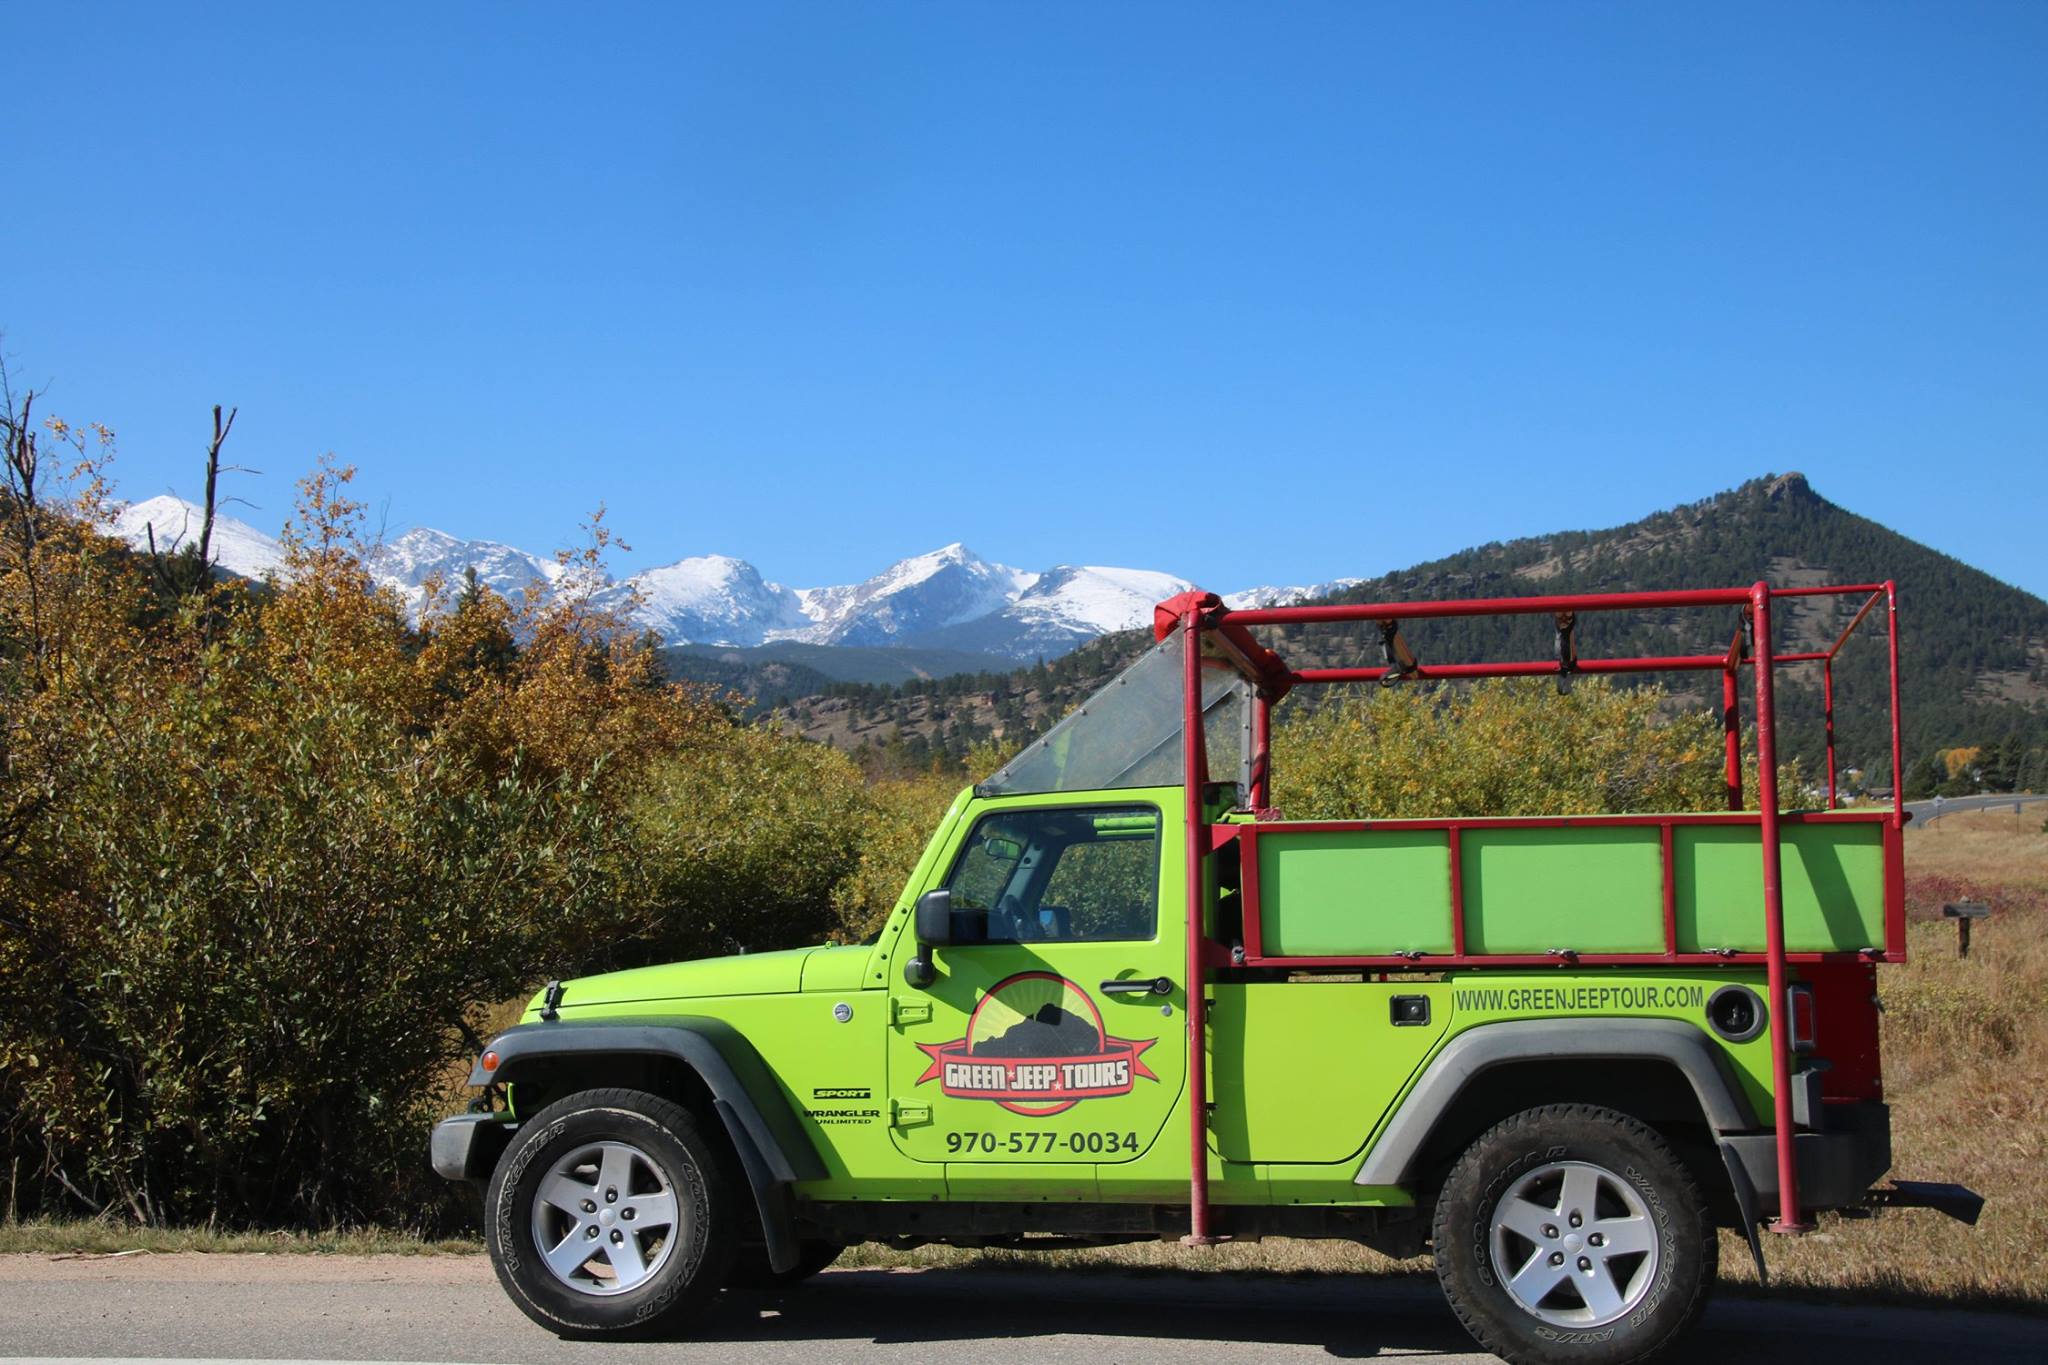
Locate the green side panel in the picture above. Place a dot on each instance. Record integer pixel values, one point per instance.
(1301, 1071)
(1833, 877)
(1360, 891)
(1593, 889)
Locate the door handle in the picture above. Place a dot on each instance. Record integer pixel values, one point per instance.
(1158, 985)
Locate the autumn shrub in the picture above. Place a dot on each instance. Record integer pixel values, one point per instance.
(1502, 747)
(267, 854)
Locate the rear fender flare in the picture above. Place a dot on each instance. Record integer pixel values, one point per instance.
(1463, 1062)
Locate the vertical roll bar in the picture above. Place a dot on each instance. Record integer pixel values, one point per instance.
(1774, 919)
(1195, 763)
(1891, 612)
(1260, 796)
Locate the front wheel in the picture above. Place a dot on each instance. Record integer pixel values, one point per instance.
(1573, 1235)
(610, 1215)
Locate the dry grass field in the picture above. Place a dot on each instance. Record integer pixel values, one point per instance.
(1966, 1050)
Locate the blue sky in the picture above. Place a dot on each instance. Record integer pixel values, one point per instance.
(1250, 293)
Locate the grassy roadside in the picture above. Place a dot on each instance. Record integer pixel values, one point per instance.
(1965, 1045)
(90, 1237)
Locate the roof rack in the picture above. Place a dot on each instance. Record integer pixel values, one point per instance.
(1202, 618)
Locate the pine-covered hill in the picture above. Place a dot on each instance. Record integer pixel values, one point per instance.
(1974, 654)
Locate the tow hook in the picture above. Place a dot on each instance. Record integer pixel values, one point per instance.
(1963, 1205)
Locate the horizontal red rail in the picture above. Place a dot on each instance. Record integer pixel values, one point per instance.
(1489, 606)
(1727, 817)
(1541, 668)
(1433, 961)
(1828, 590)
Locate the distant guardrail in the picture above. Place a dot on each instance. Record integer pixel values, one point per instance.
(1927, 812)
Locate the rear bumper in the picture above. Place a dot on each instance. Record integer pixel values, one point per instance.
(467, 1147)
(1837, 1165)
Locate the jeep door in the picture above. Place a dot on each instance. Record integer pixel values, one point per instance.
(1055, 1030)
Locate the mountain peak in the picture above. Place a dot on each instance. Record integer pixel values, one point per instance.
(174, 523)
(1792, 485)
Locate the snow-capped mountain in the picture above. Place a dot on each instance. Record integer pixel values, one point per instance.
(949, 598)
(236, 546)
(422, 553)
(1063, 607)
(948, 587)
(1286, 597)
(711, 599)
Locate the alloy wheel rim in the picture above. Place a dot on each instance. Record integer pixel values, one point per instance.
(1574, 1245)
(606, 1218)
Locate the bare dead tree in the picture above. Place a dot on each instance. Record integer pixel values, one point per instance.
(220, 436)
(22, 458)
(201, 578)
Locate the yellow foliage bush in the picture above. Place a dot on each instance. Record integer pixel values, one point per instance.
(1502, 747)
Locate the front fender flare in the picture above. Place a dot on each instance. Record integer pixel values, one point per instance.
(773, 1148)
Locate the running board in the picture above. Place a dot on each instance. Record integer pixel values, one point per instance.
(1963, 1205)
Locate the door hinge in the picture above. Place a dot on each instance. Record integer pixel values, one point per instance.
(903, 1011)
(903, 1115)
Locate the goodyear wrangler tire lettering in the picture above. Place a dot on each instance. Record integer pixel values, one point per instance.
(1573, 1235)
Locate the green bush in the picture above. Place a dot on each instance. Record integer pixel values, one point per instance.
(741, 842)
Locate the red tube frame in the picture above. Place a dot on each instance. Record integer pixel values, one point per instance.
(1195, 773)
(1270, 680)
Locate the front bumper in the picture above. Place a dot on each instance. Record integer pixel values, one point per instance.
(467, 1147)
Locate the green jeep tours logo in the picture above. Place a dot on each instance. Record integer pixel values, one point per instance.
(1036, 1046)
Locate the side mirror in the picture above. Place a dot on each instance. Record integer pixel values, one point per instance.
(931, 920)
(933, 917)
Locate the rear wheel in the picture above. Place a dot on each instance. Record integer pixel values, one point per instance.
(610, 1215)
(1573, 1235)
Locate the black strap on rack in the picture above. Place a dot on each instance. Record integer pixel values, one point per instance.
(1567, 651)
(1401, 664)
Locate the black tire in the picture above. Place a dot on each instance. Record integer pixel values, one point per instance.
(681, 1278)
(1616, 1305)
(750, 1266)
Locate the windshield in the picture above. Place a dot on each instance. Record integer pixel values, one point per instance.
(1129, 733)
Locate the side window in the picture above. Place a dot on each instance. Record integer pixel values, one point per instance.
(1052, 876)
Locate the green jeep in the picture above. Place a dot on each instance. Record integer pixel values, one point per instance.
(1122, 999)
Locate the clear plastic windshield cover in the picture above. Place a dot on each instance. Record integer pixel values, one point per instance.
(1129, 733)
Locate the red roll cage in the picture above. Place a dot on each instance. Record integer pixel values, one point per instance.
(1202, 617)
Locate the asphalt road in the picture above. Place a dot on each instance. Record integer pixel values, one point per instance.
(450, 1309)
(1924, 811)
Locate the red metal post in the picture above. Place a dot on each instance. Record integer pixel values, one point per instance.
(1669, 859)
(1250, 911)
(1891, 611)
(1261, 797)
(1456, 842)
(1731, 737)
(1195, 773)
(1774, 919)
